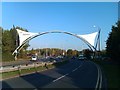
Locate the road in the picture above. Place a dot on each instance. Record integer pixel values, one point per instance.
(18, 62)
(12, 66)
(75, 74)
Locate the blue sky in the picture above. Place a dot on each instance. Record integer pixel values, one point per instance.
(75, 17)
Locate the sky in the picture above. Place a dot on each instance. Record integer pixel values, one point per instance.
(74, 17)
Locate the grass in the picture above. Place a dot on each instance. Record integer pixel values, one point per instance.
(29, 70)
(10, 74)
(111, 71)
(25, 71)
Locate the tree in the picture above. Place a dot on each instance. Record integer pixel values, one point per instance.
(103, 53)
(10, 42)
(69, 52)
(113, 43)
(7, 42)
(1, 30)
(75, 53)
(16, 37)
(87, 53)
(7, 46)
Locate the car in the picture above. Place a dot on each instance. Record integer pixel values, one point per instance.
(34, 58)
(73, 57)
(106, 58)
(82, 58)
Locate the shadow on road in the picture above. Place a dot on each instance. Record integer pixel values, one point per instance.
(84, 77)
(6, 86)
(37, 79)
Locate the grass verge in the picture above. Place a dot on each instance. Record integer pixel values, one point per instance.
(11, 74)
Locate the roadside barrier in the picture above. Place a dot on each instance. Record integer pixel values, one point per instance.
(26, 66)
(23, 66)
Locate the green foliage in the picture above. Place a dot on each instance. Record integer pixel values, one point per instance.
(103, 53)
(1, 40)
(47, 52)
(17, 27)
(75, 53)
(111, 71)
(15, 37)
(10, 41)
(69, 53)
(87, 53)
(30, 70)
(113, 43)
(7, 57)
(7, 42)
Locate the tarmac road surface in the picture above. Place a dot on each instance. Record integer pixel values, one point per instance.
(75, 74)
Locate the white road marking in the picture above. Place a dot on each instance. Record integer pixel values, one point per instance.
(99, 78)
(66, 74)
(79, 66)
(60, 77)
(74, 69)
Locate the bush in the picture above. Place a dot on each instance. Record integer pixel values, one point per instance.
(7, 57)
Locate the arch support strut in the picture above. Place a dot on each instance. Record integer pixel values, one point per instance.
(24, 37)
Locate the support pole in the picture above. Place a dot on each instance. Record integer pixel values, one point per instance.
(99, 41)
(99, 44)
(15, 56)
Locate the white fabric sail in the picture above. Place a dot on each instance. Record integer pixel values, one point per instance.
(89, 37)
(23, 35)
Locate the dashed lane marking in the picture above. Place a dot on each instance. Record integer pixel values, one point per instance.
(60, 77)
(66, 74)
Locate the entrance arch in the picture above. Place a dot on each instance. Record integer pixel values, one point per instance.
(24, 37)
